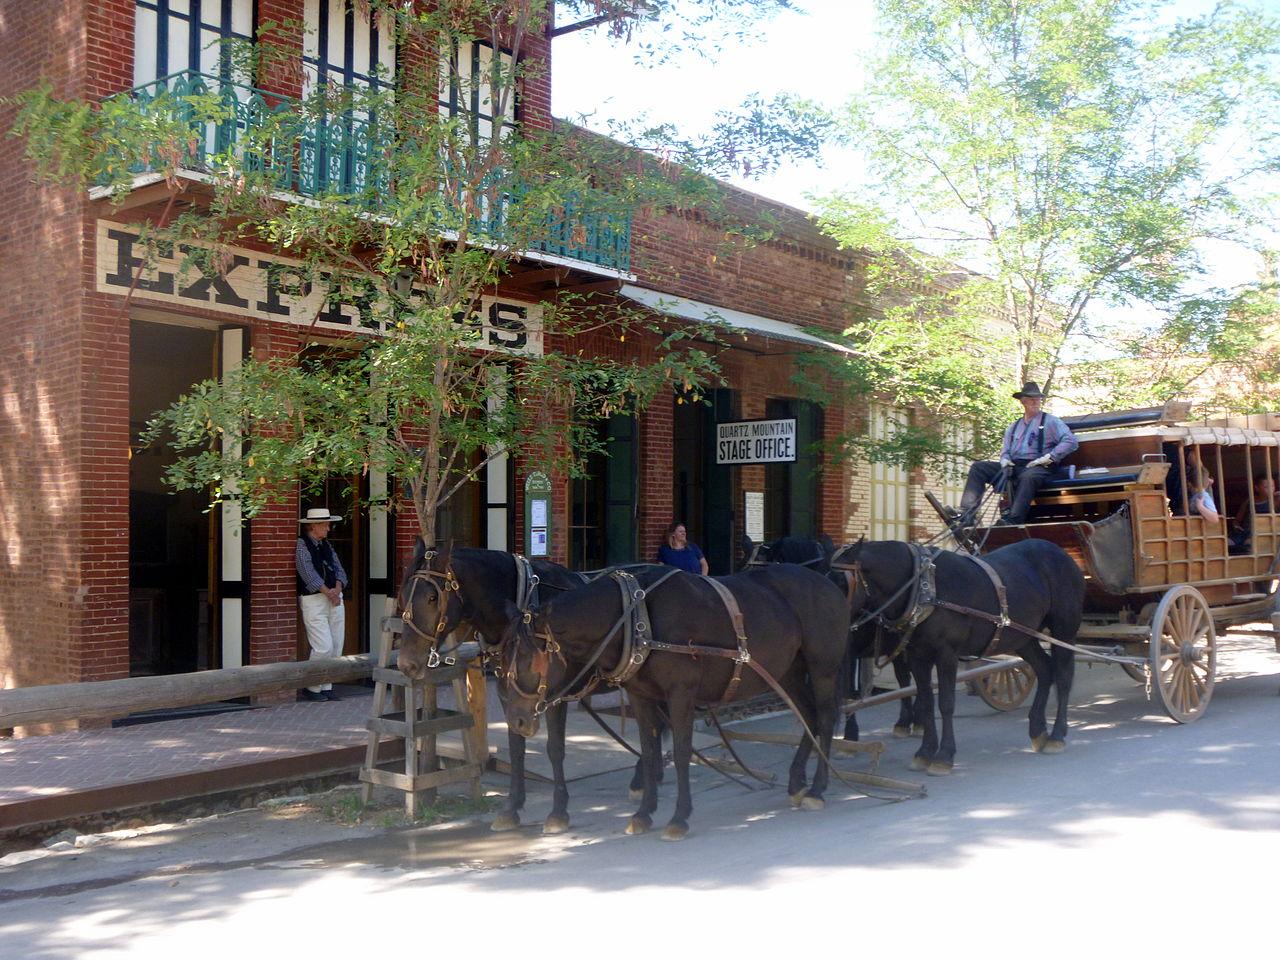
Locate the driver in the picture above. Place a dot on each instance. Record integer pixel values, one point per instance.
(1033, 445)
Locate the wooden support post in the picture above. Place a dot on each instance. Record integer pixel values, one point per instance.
(419, 724)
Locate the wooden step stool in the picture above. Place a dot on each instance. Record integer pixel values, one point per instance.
(421, 721)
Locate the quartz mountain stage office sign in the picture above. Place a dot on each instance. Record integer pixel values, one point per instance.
(253, 284)
(756, 441)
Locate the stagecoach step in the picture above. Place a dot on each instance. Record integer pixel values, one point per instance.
(1248, 597)
(421, 721)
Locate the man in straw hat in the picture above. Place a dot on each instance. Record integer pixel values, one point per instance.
(321, 581)
(1033, 446)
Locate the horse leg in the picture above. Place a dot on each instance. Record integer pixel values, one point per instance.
(1064, 670)
(680, 712)
(650, 756)
(944, 757)
(922, 673)
(509, 818)
(847, 686)
(557, 719)
(1039, 662)
(635, 790)
(797, 688)
(827, 706)
(909, 722)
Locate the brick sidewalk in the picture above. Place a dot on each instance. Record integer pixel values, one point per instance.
(67, 775)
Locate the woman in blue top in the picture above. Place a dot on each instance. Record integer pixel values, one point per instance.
(679, 552)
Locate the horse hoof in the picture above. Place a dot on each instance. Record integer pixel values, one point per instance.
(553, 825)
(635, 795)
(675, 831)
(638, 825)
(1054, 746)
(919, 763)
(939, 769)
(901, 731)
(1037, 743)
(813, 803)
(798, 798)
(504, 822)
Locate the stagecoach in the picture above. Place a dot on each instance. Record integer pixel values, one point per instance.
(1162, 580)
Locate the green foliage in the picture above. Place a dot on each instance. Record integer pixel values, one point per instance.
(1069, 153)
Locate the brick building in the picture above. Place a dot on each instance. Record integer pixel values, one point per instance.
(106, 573)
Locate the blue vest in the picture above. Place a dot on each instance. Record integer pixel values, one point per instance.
(324, 560)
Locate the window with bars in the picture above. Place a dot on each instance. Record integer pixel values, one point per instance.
(466, 86)
(346, 48)
(171, 36)
(890, 484)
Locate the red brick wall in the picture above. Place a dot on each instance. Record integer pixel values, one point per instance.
(43, 606)
(273, 592)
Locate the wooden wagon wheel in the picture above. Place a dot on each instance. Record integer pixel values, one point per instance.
(1006, 689)
(1184, 653)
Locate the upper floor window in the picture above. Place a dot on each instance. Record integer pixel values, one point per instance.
(171, 36)
(466, 86)
(346, 47)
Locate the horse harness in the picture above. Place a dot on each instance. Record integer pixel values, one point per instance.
(638, 642)
(924, 600)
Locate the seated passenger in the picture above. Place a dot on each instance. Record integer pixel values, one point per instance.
(1264, 501)
(1033, 446)
(1199, 495)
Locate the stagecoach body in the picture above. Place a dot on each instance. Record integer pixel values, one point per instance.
(1161, 579)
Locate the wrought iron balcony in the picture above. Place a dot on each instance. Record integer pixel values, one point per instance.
(348, 157)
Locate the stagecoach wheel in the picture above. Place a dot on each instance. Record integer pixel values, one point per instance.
(1184, 653)
(1006, 689)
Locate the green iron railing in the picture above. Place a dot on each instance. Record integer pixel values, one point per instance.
(348, 156)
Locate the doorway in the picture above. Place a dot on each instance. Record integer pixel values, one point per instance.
(349, 540)
(702, 490)
(791, 489)
(602, 530)
(172, 597)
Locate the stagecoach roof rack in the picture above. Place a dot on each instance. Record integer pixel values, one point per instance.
(1172, 412)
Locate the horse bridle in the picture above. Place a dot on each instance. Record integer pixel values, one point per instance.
(635, 648)
(921, 604)
(445, 583)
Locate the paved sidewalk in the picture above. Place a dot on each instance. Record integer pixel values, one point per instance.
(61, 776)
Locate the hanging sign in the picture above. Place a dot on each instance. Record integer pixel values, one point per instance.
(247, 283)
(756, 441)
(537, 514)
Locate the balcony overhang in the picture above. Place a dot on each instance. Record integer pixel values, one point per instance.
(749, 323)
(153, 190)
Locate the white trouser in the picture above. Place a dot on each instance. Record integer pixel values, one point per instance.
(326, 629)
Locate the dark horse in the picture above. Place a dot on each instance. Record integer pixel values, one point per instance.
(1045, 593)
(794, 621)
(864, 638)
(483, 602)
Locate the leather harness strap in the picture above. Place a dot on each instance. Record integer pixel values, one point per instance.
(1001, 597)
(739, 629)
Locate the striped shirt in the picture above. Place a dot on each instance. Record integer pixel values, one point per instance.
(1022, 439)
(311, 577)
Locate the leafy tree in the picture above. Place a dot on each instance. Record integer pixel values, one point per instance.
(414, 201)
(1067, 155)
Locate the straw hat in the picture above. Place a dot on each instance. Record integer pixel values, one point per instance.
(319, 515)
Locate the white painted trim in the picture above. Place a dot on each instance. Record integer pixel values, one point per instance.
(377, 526)
(232, 632)
(232, 543)
(700, 312)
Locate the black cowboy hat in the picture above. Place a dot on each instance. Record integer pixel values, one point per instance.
(1029, 389)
